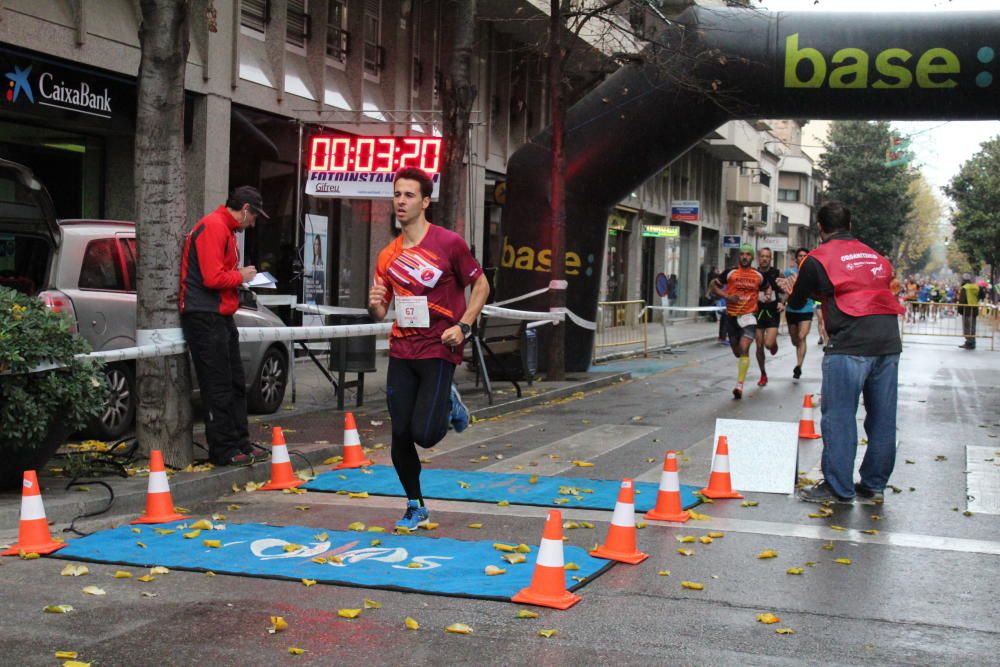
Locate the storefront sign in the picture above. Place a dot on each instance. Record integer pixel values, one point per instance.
(365, 167)
(685, 211)
(617, 223)
(661, 231)
(775, 243)
(731, 242)
(42, 88)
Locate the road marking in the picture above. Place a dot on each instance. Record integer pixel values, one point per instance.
(773, 528)
(582, 446)
(982, 483)
(476, 435)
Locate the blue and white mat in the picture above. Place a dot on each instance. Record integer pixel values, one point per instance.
(440, 566)
(493, 487)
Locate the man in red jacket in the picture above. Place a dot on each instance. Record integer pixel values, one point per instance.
(210, 279)
(862, 357)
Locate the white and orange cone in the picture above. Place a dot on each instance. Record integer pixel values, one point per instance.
(282, 474)
(621, 543)
(720, 483)
(548, 583)
(807, 427)
(668, 500)
(33, 532)
(159, 502)
(354, 455)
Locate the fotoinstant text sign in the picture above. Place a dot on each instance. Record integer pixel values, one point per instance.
(688, 210)
(357, 185)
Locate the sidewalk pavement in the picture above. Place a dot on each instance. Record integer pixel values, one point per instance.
(314, 428)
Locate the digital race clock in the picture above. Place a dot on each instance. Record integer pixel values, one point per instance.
(379, 155)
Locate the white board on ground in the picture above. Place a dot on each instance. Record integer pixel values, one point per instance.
(762, 455)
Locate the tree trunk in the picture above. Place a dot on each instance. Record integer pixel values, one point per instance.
(459, 95)
(556, 362)
(164, 383)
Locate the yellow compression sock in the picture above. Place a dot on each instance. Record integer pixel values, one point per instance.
(744, 365)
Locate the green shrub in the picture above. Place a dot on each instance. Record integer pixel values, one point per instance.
(32, 337)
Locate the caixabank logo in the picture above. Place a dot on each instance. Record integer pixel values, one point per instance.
(55, 89)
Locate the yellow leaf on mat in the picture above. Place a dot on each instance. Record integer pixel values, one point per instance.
(705, 539)
(414, 566)
(375, 542)
(503, 503)
(212, 544)
(376, 529)
(571, 566)
(459, 629)
(164, 531)
(293, 547)
(411, 624)
(321, 537)
(561, 501)
(500, 546)
(193, 534)
(514, 559)
(348, 613)
(463, 485)
(203, 524)
(523, 549)
(493, 570)
(356, 525)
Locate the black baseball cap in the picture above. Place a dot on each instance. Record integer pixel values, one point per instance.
(247, 194)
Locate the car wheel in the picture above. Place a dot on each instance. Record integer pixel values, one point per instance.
(119, 409)
(268, 389)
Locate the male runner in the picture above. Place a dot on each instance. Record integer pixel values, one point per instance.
(799, 320)
(426, 269)
(768, 311)
(742, 285)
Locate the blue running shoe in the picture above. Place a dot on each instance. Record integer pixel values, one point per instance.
(459, 413)
(415, 516)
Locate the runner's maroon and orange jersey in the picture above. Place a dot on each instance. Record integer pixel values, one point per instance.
(440, 267)
(746, 284)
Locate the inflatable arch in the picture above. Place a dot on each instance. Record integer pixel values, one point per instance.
(724, 64)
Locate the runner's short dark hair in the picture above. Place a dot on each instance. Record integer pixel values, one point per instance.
(834, 217)
(805, 250)
(419, 175)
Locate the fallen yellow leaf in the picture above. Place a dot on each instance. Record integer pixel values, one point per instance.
(828, 546)
(321, 537)
(164, 531)
(372, 604)
(74, 570)
(475, 525)
(837, 528)
(586, 524)
(571, 566)
(76, 663)
(159, 569)
(583, 464)
(503, 503)
(459, 629)
(146, 578)
(842, 561)
(209, 573)
(136, 530)
(140, 545)
(308, 582)
(356, 525)
(377, 529)
(767, 618)
(193, 534)
(698, 517)
(716, 535)
(93, 590)
(122, 574)
(493, 570)
(359, 494)
(546, 633)
(233, 507)
(749, 503)
(561, 501)
(524, 613)
(523, 549)
(430, 525)
(26, 555)
(463, 485)
(500, 546)
(794, 570)
(295, 650)
(411, 624)
(664, 573)
(203, 524)
(67, 655)
(348, 613)
(278, 623)
(685, 552)
(767, 554)
(640, 525)
(414, 566)
(691, 585)
(784, 631)
(375, 542)
(212, 544)
(870, 531)
(58, 609)
(705, 539)
(302, 508)
(319, 560)
(292, 547)
(514, 559)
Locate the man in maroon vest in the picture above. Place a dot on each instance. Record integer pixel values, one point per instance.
(862, 357)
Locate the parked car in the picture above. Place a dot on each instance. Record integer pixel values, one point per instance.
(86, 269)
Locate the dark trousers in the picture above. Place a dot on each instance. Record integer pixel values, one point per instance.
(969, 315)
(418, 392)
(215, 349)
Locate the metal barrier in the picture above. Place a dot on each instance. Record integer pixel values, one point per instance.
(621, 323)
(950, 319)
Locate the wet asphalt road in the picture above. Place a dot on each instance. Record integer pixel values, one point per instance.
(922, 591)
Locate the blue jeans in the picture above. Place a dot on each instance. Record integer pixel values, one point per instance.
(845, 378)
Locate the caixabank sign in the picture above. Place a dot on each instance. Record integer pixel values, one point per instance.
(39, 87)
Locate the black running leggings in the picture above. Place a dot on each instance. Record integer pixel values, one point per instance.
(418, 392)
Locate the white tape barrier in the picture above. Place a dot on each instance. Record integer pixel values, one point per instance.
(521, 298)
(693, 309)
(536, 318)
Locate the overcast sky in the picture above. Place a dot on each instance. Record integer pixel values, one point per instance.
(940, 147)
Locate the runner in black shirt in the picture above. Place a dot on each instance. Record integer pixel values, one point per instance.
(769, 309)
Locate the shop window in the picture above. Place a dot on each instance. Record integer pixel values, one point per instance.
(337, 37)
(255, 15)
(765, 178)
(374, 53)
(297, 30)
(102, 268)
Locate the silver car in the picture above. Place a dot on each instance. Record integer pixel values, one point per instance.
(86, 269)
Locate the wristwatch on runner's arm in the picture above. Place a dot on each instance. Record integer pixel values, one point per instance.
(466, 329)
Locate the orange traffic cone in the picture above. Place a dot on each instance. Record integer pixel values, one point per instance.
(354, 456)
(159, 503)
(720, 484)
(620, 545)
(668, 500)
(282, 475)
(33, 532)
(548, 583)
(807, 427)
